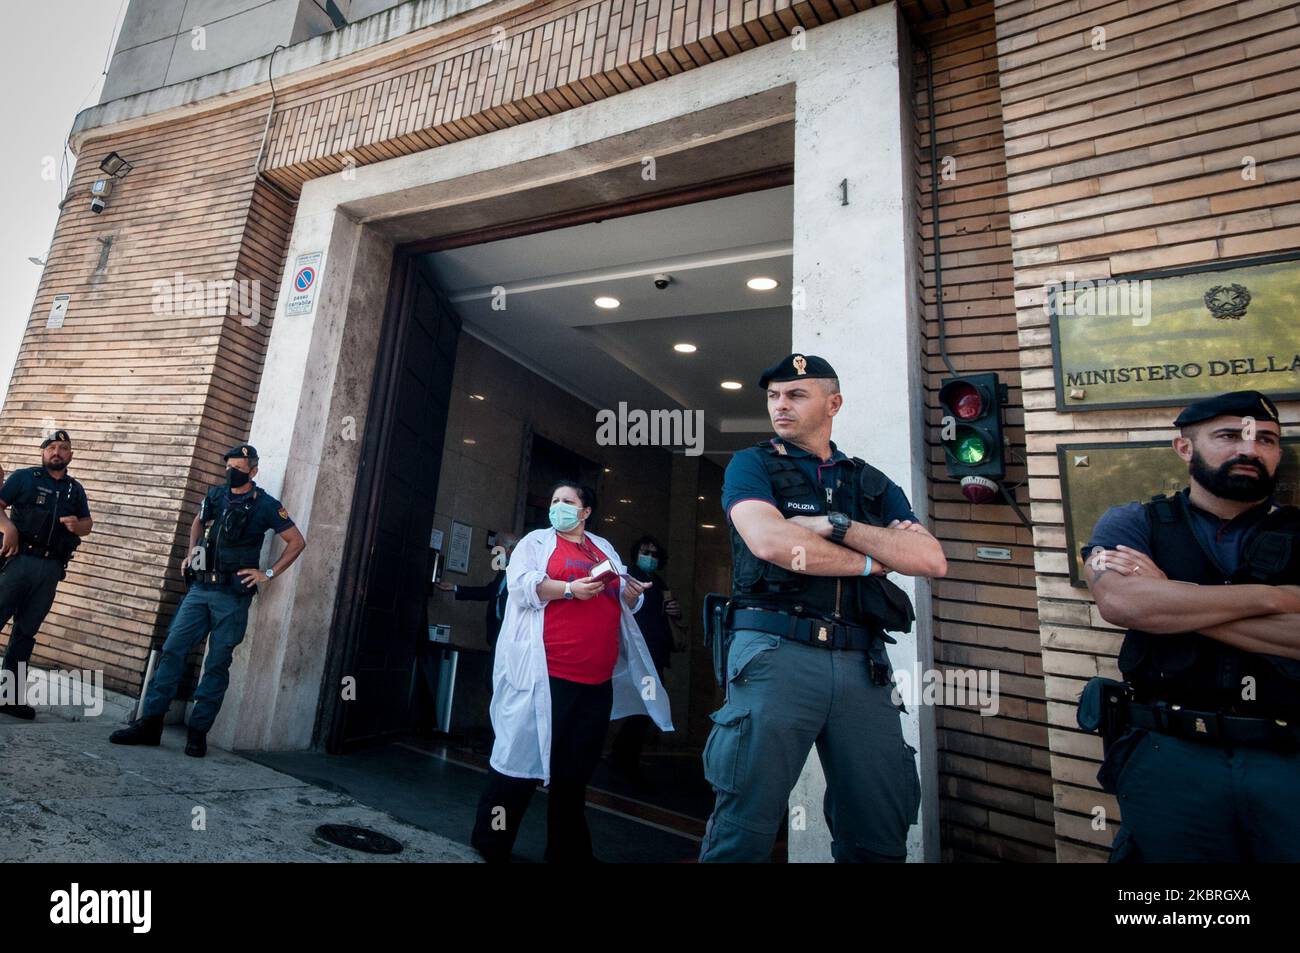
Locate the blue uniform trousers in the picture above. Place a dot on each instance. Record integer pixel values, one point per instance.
(782, 698)
(1185, 801)
(220, 614)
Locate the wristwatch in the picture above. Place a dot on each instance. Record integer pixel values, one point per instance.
(568, 590)
(840, 524)
(270, 574)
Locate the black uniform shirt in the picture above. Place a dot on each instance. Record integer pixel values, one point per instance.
(33, 486)
(267, 512)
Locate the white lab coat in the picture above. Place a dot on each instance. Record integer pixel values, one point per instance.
(521, 690)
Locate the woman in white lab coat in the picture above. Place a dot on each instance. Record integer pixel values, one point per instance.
(569, 658)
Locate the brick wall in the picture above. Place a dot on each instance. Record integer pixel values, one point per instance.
(994, 783)
(151, 386)
(1120, 159)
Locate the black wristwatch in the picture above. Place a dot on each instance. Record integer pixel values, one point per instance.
(840, 524)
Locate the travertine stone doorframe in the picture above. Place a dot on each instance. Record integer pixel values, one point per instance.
(855, 272)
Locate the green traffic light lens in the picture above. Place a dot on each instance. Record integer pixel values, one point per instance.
(971, 450)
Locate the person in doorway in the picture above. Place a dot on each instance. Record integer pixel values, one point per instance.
(494, 593)
(569, 658)
(232, 522)
(50, 515)
(660, 620)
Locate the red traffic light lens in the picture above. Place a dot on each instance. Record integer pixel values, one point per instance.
(964, 399)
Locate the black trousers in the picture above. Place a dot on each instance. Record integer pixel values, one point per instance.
(630, 739)
(27, 587)
(579, 720)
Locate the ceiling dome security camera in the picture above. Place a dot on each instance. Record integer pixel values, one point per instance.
(663, 281)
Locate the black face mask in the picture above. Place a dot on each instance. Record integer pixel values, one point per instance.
(236, 478)
(1233, 486)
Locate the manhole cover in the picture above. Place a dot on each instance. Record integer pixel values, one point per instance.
(359, 838)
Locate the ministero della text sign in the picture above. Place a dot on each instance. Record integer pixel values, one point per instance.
(1171, 336)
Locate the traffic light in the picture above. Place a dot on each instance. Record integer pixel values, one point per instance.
(971, 432)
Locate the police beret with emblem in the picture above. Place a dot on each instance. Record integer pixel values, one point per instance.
(56, 435)
(243, 450)
(797, 367)
(1240, 403)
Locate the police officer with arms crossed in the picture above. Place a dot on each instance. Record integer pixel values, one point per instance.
(50, 515)
(1201, 737)
(813, 534)
(232, 522)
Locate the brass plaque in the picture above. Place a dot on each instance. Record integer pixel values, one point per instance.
(1097, 476)
(1175, 336)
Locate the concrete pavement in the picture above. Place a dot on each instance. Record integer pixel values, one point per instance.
(66, 794)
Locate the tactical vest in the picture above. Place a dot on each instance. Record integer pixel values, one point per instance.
(38, 520)
(1195, 670)
(228, 545)
(869, 601)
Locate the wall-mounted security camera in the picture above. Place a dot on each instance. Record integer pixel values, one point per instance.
(100, 190)
(114, 168)
(663, 281)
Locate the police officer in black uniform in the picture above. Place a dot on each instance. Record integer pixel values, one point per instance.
(814, 533)
(1201, 736)
(50, 515)
(224, 575)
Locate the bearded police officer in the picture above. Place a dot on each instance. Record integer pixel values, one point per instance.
(814, 533)
(50, 515)
(224, 576)
(1201, 737)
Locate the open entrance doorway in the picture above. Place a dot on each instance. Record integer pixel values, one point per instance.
(618, 346)
(692, 140)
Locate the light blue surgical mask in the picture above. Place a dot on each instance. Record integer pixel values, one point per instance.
(647, 562)
(564, 517)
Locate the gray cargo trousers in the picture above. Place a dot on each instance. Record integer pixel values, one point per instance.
(782, 698)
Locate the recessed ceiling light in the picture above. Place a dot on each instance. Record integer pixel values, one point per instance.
(477, 397)
(761, 284)
(684, 348)
(609, 519)
(699, 497)
(707, 526)
(470, 440)
(732, 385)
(608, 470)
(605, 301)
(625, 500)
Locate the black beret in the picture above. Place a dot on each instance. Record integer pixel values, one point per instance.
(243, 450)
(56, 435)
(1239, 403)
(797, 367)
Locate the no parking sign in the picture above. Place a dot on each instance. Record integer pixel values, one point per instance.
(303, 283)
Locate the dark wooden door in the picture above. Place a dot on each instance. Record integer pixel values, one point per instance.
(389, 625)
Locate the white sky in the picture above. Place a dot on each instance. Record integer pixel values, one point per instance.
(52, 58)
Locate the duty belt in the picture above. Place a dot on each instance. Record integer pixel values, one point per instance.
(1214, 726)
(824, 634)
(215, 578)
(31, 549)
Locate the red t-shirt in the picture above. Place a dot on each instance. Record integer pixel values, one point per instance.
(581, 638)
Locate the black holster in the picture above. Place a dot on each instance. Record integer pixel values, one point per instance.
(717, 631)
(1103, 708)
